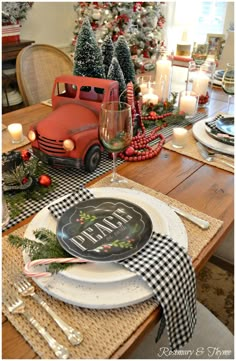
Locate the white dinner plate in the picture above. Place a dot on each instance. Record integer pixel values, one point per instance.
(158, 211)
(89, 285)
(199, 132)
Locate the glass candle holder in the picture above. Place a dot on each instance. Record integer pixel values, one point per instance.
(164, 76)
(202, 82)
(150, 95)
(188, 103)
(179, 137)
(16, 132)
(144, 83)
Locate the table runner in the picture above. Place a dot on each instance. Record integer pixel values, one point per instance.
(69, 178)
(104, 330)
(191, 150)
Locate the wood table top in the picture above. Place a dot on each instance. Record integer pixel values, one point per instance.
(198, 185)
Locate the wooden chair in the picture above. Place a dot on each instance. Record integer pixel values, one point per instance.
(37, 66)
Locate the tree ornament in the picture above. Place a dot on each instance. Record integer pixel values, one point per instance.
(44, 180)
(25, 155)
(25, 180)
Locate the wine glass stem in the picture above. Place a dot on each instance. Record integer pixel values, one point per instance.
(228, 106)
(114, 174)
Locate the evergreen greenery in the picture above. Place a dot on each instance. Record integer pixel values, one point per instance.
(88, 57)
(45, 246)
(107, 53)
(115, 73)
(123, 55)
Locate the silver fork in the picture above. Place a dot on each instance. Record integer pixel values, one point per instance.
(16, 306)
(25, 288)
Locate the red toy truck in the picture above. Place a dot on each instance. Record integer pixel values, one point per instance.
(68, 137)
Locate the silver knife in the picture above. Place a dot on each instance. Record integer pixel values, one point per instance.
(196, 220)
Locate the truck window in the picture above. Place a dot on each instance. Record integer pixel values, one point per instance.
(65, 90)
(91, 94)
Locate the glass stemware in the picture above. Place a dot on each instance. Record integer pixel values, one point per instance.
(199, 53)
(115, 130)
(228, 82)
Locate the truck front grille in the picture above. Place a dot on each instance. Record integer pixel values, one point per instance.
(51, 146)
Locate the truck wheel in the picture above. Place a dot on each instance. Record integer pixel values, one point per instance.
(92, 158)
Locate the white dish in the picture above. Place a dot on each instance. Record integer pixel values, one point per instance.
(199, 132)
(112, 272)
(89, 285)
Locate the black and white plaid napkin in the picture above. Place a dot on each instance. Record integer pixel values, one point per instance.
(167, 269)
(214, 131)
(81, 194)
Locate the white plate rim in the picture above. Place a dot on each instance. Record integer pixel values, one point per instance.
(208, 141)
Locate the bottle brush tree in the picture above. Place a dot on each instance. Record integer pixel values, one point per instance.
(123, 55)
(115, 73)
(88, 56)
(107, 53)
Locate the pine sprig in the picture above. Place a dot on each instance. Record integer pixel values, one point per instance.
(46, 245)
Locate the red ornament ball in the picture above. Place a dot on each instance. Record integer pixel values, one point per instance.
(25, 155)
(44, 180)
(24, 180)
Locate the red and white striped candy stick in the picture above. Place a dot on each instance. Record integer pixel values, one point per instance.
(45, 261)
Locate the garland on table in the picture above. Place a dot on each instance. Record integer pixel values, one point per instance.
(158, 115)
(25, 177)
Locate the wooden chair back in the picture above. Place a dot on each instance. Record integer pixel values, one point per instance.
(37, 66)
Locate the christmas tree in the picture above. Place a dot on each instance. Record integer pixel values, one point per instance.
(122, 53)
(107, 53)
(87, 56)
(140, 22)
(15, 11)
(115, 73)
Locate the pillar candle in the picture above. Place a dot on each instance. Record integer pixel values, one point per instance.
(200, 84)
(16, 132)
(151, 97)
(188, 104)
(163, 72)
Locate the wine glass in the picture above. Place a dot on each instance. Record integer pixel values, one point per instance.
(199, 53)
(115, 130)
(228, 82)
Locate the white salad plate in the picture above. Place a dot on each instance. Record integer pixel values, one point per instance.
(89, 285)
(200, 133)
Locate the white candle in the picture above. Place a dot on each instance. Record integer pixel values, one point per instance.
(200, 84)
(143, 87)
(179, 137)
(151, 97)
(188, 104)
(163, 73)
(16, 132)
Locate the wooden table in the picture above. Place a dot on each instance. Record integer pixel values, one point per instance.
(203, 187)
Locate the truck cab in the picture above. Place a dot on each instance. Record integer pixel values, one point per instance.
(69, 136)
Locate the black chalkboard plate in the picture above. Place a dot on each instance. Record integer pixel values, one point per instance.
(104, 229)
